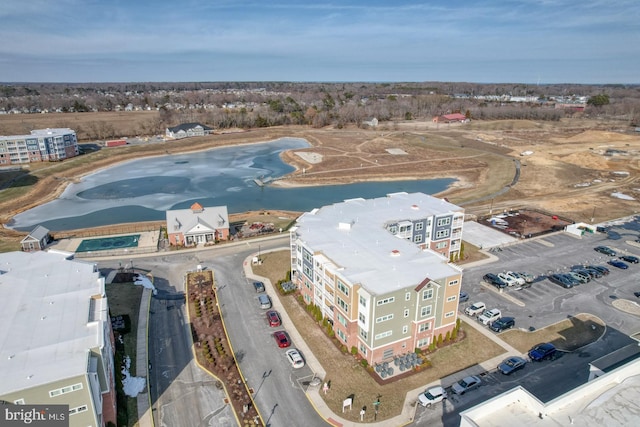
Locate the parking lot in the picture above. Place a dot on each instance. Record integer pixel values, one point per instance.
(545, 303)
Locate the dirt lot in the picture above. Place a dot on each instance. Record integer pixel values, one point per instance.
(569, 170)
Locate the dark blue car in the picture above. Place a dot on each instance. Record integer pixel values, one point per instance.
(542, 352)
(619, 264)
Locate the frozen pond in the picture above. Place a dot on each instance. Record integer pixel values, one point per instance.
(142, 190)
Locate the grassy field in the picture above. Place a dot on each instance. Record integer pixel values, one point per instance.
(124, 299)
(348, 377)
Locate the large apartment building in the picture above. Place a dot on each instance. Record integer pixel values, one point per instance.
(380, 270)
(40, 145)
(56, 342)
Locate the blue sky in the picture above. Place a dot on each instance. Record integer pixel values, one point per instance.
(499, 41)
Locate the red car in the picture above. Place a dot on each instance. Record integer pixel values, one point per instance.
(274, 318)
(282, 338)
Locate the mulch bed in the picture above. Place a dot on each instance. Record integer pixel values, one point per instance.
(526, 223)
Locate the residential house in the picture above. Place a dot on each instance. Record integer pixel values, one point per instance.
(37, 240)
(379, 270)
(451, 118)
(56, 342)
(186, 130)
(197, 225)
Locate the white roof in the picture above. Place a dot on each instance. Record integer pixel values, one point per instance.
(49, 321)
(352, 235)
(197, 219)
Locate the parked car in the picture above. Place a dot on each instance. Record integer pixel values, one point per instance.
(265, 301)
(601, 268)
(464, 297)
(259, 286)
(502, 324)
(489, 316)
(475, 309)
(295, 358)
(274, 318)
(509, 280)
(542, 352)
(573, 280)
(558, 279)
(585, 272)
(494, 280)
(466, 384)
(432, 395)
(581, 277)
(630, 259)
(511, 364)
(519, 280)
(617, 263)
(282, 338)
(605, 250)
(594, 272)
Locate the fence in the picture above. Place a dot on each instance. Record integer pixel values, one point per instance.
(111, 230)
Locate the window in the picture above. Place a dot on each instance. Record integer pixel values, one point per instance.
(449, 314)
(342, 320)
(343, 304)
(425, 311)
(362, 318)
(419, 226)
(405, 329)
(307, 271)
(417, 238)
(308, 257)
(451, 298)
(383, 335)
(393, 229)
(441, 234)
(364, 334)
(64, 390)
(423, 343)
(386, 301)
(363, 301)
(444, 221)
(341, 334)
(427, 294)
(384, 318)
(453, 282)
(424, 327)
(363, 349)
(74, 411)
(407, 296)
(441, 245)
(343, 288)
(406, 312)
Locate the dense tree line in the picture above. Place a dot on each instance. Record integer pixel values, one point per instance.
(263, 104)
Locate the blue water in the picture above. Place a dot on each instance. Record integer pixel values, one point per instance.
(144, 189)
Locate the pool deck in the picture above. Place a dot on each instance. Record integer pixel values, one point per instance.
(147, 242)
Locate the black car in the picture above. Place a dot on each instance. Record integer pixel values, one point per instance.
(464, 297)
(605, 250)
(503, 324)
(601, 268)
(542, 351)
(617, 263)
(559, 279)
(494, 280)
(630, 259)
(259, 286)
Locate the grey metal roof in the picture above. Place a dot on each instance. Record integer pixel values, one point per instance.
(197, 221)
(49, 319)
(37, 233)
(186, 126)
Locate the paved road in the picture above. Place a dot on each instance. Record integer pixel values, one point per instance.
(183, 394)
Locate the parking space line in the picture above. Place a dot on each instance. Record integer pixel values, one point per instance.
(503, 294)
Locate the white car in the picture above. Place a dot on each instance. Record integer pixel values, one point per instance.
(508, 279)
(519, 280)
(489, 316)
(432, 395)
(475, 309)
(295, 358)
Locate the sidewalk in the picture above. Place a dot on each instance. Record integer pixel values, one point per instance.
(409, 407)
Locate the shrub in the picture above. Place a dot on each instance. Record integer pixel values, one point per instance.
(447, 337)
(454, 334)
(364, 363)
(354, 350)
(432, 346)
(439, 340)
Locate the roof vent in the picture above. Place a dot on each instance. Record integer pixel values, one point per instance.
(395, 252)
(415, 207)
